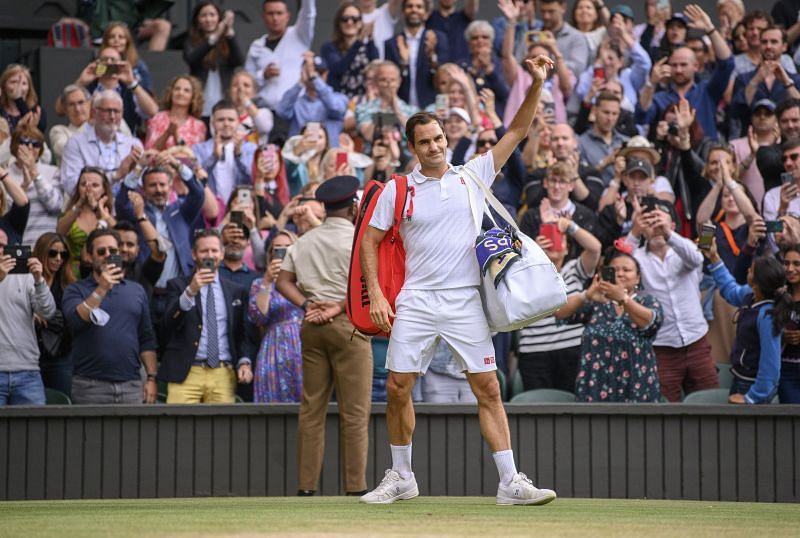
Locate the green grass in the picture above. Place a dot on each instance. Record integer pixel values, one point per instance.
(425, 516)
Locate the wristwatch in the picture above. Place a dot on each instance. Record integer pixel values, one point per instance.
(305, 304)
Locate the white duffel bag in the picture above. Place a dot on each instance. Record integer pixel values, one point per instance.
(531, 288)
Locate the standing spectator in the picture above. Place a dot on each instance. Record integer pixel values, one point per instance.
(55, 340)
(334, 354)
(789, 385)
(255, 119)
(279, 366)
(209, 342)
(755, 22)
(763, 131)
(313, 100)
(671, 271)
(525, 22)
(179, 123)
(18, 99)
(77, 102)
(117, 36)
(39, 181)
(453, 23)
(681, 69)
(778, 201)
(387, 78)
(90, 207)
(275, 58)
(418, 52)
(731, 13)
(350, 50)
(232, 266)
(676, 30)
(651, 33)
(22, 297)
(590, 18)
(617, 359)
(480, 62)
(112, 333)
(226, 157)
(572, 43)
(602, 140)
(212, 51)
(147, 272)
(13, 216)
(739, 39)
(769, 158)
(382, 20)
(764, 309)
(102, 145)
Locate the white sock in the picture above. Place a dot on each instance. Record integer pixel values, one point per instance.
(401, 460)
(505, 466)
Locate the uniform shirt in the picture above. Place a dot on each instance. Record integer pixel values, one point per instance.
(320, 260)
(439, 239)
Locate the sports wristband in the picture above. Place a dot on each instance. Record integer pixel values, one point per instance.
(732, 185)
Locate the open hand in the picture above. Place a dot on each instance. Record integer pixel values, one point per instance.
(539, 67)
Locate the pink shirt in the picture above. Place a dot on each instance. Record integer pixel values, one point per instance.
(193, 131)
(752, 176)
(520, 89)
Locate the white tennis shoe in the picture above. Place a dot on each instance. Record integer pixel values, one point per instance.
(522, 491)
(392, 488)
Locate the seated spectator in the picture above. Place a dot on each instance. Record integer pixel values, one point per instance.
(55, 340)
(118, 36)
(351, 49)
(76, 100)
(598, 145)
(147, 272)
(387, 78)
(764, 307)
(457, 127)
(39, 181)
(278, 374)
(480, 63)
(112, 334)
(572, 43)
(445, 382)
(671, 271)
(255, 119)
(417, 51)
(22, 297)
(211, 51)
(590, 19)
(179, 122)
(102, 145)
(679, 70)
(313, 100)
(789, 384)
(13, 215)
(739, 40)
(209, 340)
(303, 213)
(763, 131)
(226, 157)
(18, 100)
(549, 350)
(617, 360)
(269, 183)
(109, 72)
(90, 207)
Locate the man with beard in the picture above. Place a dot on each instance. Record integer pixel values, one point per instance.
(147, 272)
(598, 144)
(233, 268)
(417, 51)
(111, 330)
(769, 158)
(101, 145)
(763, 131)
(679, 70)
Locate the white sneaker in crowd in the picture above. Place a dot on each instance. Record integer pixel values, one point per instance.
(392, 488)
(522, 491)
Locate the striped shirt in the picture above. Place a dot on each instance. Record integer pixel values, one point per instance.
(46, 200)
(548, 334)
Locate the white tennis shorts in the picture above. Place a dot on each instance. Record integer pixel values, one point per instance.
(454, 315)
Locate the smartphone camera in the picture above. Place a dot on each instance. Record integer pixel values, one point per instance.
(114, 260)
(774, 226)
(208, 263)
(21, 253)
(672, 129)
(609, 274)
(279, 253)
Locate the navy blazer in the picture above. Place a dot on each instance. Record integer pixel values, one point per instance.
(180, 217)
(181, 330)
(426, 91)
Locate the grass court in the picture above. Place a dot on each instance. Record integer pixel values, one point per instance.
(424, 516)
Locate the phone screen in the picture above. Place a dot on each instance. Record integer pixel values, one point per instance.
(774, 226)
(279, 253)
(599, 72)
(341, 159)
(706, 237)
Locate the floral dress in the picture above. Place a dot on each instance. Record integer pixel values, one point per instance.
(278, 375)
(618, 363)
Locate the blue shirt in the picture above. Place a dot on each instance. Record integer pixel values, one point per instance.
(244, 277)
(109, 352)
(632, 78)
(328, 108)
(453, 27)
(776, 94)
(703, 96)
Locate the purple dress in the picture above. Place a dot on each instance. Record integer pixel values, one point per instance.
(279, 366)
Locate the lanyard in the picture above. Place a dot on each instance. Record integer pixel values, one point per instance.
(729, 236)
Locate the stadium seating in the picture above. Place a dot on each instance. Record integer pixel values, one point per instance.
(517, 386)
(709, 396)
(725, 375)
(56, 397)
(543, 396)
(501, 378)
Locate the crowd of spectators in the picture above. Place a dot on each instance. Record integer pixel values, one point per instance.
(143, 239)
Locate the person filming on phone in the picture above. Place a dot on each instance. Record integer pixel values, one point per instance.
(211, 343)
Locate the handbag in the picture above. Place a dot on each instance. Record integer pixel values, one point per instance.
(51, 337)
(528, 287)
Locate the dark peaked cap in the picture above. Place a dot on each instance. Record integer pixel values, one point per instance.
(338, 192)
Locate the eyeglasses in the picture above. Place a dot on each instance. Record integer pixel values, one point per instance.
(791, 157)
(487, 142)
(103, 251)
(30, 142)
(109, 110)
(352, 18)
(559, 182)
(476, 37)
(63, 254)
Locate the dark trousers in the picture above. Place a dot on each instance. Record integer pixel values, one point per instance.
(555, 369)
(57, 373)
(789, 385)
(690, 368)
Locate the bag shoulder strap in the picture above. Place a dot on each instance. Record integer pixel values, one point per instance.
(491, 199)
(401, 193)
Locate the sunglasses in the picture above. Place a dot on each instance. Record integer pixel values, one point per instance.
(103, 251)
(792, 157)
(63, 254)
(352, 18)
(30, 142)
(487, 142)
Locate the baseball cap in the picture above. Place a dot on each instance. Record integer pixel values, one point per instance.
(624, 10)
(641, 165)
(678, 17)
(766, 103)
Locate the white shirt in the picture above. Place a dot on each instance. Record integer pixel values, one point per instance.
(439, 239)
(772, 201)
(414, 44)
(225, 172)
(675, 282)
(383, 28)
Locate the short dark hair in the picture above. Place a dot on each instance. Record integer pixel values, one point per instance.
(150, 170)
(203, 233)
(607, 96)
(773, 27)
(757, 15)
(420, 118)
(98, 233)
(790, 144)
(225, 104)
(124, 226)
(785, 105)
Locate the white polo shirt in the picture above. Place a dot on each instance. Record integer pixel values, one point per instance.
(440, 237)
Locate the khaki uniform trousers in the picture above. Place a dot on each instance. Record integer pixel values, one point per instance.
(331, 359)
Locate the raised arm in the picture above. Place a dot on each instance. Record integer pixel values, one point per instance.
(511, 11)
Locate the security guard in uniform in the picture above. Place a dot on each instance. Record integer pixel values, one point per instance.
(314, 276)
